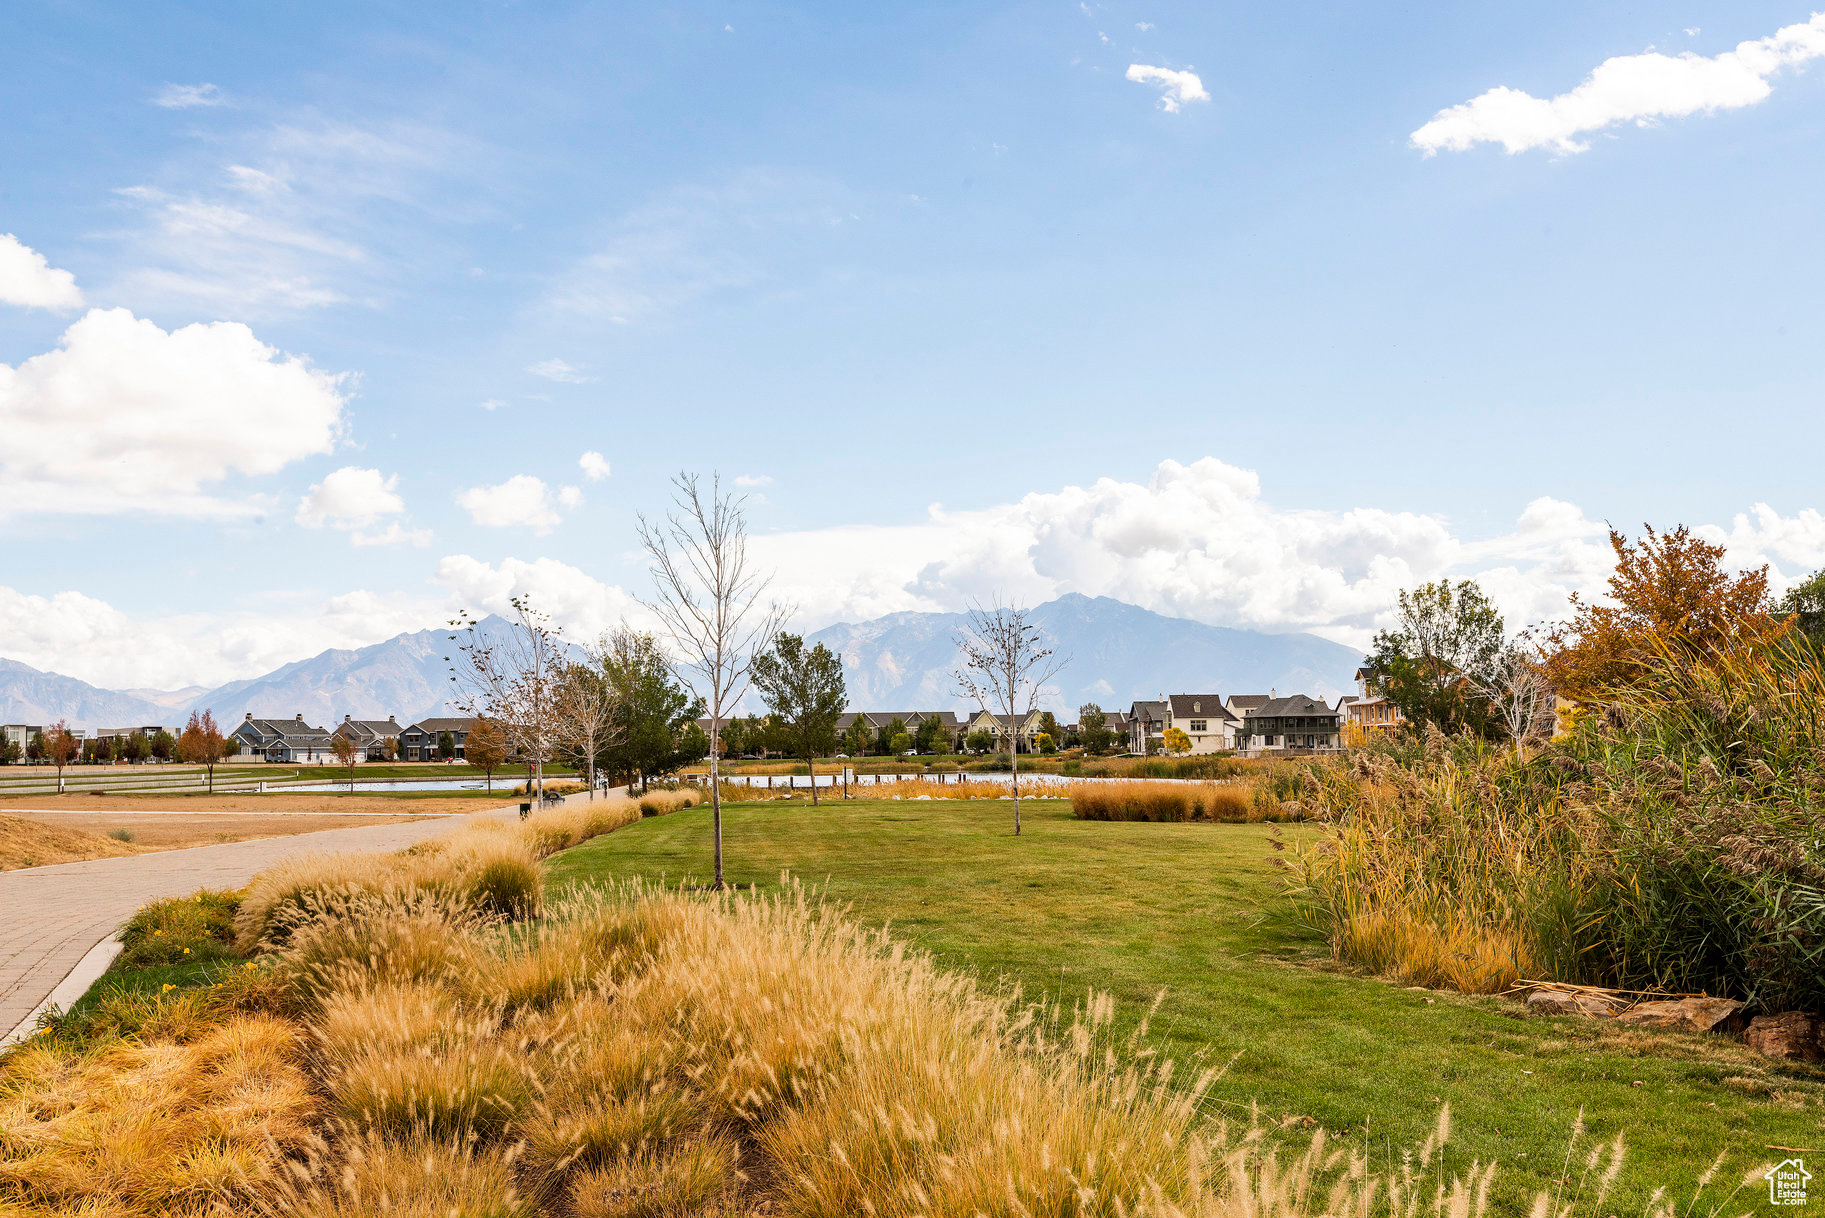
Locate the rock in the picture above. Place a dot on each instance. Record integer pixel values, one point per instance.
(1685, 1014)
(1572, 1002)
(1794, 1035)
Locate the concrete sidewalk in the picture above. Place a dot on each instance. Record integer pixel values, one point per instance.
(52, 917)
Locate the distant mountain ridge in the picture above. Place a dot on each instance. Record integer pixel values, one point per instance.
(1116, 653)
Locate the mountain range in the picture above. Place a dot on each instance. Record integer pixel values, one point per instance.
(1113, 653)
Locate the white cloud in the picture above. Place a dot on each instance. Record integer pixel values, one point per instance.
(578, 602)
(395, 534)
(86, 638)
(492, 404)
(28, 280)
(571, 497)
(1628, 88)
(1201, 541)
(557, 370)
(522, 501)
(184, 97)
(125, 417)
(1143, 26)
(594, 465)
(350, 498)
(1176, 88)
(754, 480)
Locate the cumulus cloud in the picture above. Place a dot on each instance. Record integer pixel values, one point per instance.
(1203, 541)
(83, 637)
(185, 97)
(28, 280)
(557, 370)
(126, 417)
(522, 501)
(754, 480)
(580, 604)
(1627, 88)
(352, 499)
(594, 465)
(1176, 87)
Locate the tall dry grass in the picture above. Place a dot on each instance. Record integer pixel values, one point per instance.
(1227, 803)
(905, 788)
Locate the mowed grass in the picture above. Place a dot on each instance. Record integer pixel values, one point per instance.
(1138, 908)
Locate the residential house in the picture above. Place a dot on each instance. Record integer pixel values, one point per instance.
(370, 736)
(419, 742)
(19, 735)
(1367, 713)
(1240, 704)
(1295, 722)
(121, 733)
(1147, 727)
(1026, 727)
(1115, 721)
(1207, 723)
(284, 740)
(949, 721)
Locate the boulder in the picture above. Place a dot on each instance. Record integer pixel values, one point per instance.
(1793, 1035)
(1573, 1002)
(1685, 1014)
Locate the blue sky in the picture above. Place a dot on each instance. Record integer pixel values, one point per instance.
(1225, 340)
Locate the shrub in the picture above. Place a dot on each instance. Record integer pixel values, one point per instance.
(1175, 801)
(171, 931)
(412, 1177)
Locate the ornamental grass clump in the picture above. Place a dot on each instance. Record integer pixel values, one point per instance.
(1180, 802)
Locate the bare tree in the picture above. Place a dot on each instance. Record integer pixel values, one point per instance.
(512, 676)
(1520, 696)
(708, 596)
(589, 708)
(1004, 666)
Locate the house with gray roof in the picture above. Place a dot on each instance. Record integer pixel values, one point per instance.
(1147, 727)
(1298, 722)
(1206, 721)
(370, 736)
(419, 742)
(284, 740)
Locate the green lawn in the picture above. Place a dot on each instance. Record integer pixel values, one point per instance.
(1135, 909)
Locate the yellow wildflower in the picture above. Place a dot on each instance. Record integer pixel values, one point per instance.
(168, 988)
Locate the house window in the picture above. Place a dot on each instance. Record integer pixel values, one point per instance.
(1198, 725)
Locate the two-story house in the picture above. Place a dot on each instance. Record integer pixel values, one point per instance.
(419, 742)
(1367, 714)
(1147, 727)
(284, 740)
(1295, 722)
(1026, 727)
(370, 736)
(1210, 726)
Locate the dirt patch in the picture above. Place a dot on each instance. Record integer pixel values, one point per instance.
(31, 843)
(37, 838)
(316, 803)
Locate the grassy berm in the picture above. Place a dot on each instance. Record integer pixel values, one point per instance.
(1190, 915)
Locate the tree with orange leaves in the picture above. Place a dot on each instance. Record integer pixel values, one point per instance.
(1672, 594)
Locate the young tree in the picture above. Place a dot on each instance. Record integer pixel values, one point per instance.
(1043, 742)
(1048, 724)
(201, 743)
(34, 748)
(164, 745)
(1445, 645)
(446, 746)
(1672, 593)
(804, 692)
(389, 748)
(1804, 606)
(588, 718)
(1093, 729)
(708, 595)
(1004, 665)
(486, 748)
(60, 747)
(9, 752)
(891, 731)
(653, 708)
(1174, 741)
(859, 738)
(1519, 695)
(138, 748)
(979, 741)
(511, 676)
(738, 738)
(347, 754)
(933, 736)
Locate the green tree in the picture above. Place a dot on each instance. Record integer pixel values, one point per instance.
(138, 748)
(890, 731)
(1048, 723)
(9, 752)
(1093, 730)
(1446, 646)
(34, 748)
(1805, 604)
(858, 741)
(737, 738)
(898, 743)
(980, 740)
(655, 709)
(164, 745)
(446, 745)
(803, 689)
(933, 735)
(692, 746)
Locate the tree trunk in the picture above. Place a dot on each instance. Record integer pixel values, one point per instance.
(716, 793)
(812, 766)
(1014, 760)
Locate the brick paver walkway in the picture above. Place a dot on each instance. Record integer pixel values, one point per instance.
(51, 916)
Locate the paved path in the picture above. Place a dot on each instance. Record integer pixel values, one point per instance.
(50, 917)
